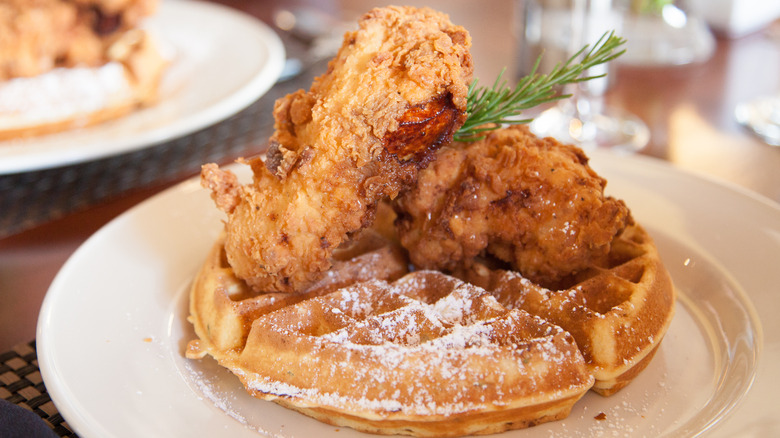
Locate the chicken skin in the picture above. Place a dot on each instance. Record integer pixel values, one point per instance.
(395, 91)
(532, 203)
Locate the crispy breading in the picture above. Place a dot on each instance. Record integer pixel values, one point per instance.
(396, 90)
(533, 203)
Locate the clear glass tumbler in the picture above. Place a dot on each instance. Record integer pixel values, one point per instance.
(556, 30)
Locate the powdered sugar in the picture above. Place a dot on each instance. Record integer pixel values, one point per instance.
(454, 307)
(61, 94)
(396, 359)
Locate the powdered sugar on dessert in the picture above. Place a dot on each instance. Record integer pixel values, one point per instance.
(61, 94)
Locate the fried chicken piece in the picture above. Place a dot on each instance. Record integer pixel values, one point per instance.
(40, 35)
(395, 91)
(532, 203)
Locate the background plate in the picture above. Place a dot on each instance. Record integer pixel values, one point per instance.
(222, 61)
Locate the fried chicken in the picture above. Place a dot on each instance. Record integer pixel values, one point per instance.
(395, 91)
(532, 203)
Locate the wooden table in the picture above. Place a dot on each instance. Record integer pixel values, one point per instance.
(689, 110)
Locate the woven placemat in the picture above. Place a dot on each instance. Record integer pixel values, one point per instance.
(22, 385)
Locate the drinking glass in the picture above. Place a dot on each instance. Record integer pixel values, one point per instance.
(557, 29)
(665, 32)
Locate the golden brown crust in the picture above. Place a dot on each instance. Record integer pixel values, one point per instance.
(531, 202)
(333, 155)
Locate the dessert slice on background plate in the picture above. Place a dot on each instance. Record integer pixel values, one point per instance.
(65, 65)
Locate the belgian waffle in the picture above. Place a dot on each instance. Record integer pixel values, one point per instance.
(431, 355)
(617, 311)
(426, 355)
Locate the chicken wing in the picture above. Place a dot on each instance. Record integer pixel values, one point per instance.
(532, 203)
(395, 91)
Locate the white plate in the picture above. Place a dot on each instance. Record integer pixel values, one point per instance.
(222, 61)
(113, 327)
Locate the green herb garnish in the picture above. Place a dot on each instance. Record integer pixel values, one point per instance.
(489, 108)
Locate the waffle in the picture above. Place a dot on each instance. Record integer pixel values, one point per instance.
(389, 355)
(618, 312)
(426, 355)
(222, 307)
(69, 65)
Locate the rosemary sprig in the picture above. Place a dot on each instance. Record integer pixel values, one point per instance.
(488, 108)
